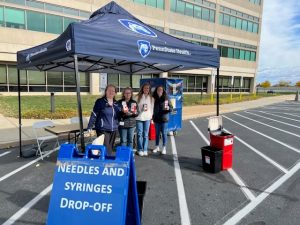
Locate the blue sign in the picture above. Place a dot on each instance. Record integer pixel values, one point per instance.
(93, 190)
(137, 27)
(144, 48)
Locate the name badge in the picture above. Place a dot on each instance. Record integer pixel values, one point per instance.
(122, 123)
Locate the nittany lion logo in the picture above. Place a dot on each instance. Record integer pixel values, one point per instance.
(137, 27)
(144, 48)
(68, 45)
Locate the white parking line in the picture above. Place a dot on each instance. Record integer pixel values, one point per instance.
(4, 153)
(256, 121)
(260, 153)
(249, 195)
(290, 114)
(278, 116)
(253, 204)
(273, 139)
(292, 125)
(26, 165)
(184, 211)
(278, 108)
(28, 206)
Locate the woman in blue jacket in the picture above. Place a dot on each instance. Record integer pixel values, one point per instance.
(105, 117)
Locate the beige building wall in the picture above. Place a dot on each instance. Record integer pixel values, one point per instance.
(13, 40)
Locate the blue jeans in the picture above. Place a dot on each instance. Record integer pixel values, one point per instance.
(161, 128)
(142, 129)
(126, 136)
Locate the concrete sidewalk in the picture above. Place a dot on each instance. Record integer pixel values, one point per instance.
(9, 131)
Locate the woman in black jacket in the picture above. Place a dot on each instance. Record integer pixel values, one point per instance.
(161, 117)
(129, 111)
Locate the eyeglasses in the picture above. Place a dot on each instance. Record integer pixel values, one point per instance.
(128, 93)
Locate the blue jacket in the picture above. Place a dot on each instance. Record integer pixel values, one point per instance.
(104, 117)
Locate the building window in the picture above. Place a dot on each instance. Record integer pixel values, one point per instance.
(35, 4)
(18, 2)
(35, 21)
(3, 78)
(192, 83)
(67, 21)
(1, 16)
(54, 24)
(236, 53)
(15, 18)
(160, 4)
(54, 78)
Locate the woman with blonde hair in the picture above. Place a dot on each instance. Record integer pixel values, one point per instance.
(145, 106)
(127, 123)
(105, 117)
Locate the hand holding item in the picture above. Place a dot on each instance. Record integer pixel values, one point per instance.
(145, 107)
(166, 105)
(133, 108)
(124, 107)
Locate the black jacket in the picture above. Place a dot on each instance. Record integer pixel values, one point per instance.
(160, 115)
(127, 120)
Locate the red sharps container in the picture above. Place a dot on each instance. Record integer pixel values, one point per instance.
(221, 140)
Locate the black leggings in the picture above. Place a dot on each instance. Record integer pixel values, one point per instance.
(109, 140)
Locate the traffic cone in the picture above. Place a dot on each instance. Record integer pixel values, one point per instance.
(152, 131)
(297, 97)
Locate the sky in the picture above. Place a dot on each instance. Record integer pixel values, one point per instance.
(279, 57)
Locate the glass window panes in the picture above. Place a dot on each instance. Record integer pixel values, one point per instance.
(191, 82)
(1, 17)
(113, 78)
(242, 54)
(54, 78)
(189, 9)
(247, 55)
(238, 23)
(205, 14)
(54, 24)
(84, 79)
(54, 8)
(226, 20)
(250, 26)
(180, 7)
(125, 80)
(253, 56)
(244, 25)
(69, 78)
(74, 12)
(236, 53)
(15, 18)
(198, 82)
(173, 5)
(13, 75)
(151, 3)
(255, 28)
(224, 51)
(212, 15)
(3, 79)
(140, 1)
(67, 21)
(160, 4)
(221, 18)
(136, 81)
(35, 21)
(197, 12)
(35, 4)
(84, 14)
(36, 77)
(230, 52)
(19, 2)
(232, 21)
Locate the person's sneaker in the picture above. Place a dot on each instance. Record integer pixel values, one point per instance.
(164, 151)
(145, 153)
(140, 153)
(156, 149)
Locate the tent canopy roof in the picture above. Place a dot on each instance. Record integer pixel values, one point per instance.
(114, 41)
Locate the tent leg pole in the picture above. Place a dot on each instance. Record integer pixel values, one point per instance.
(218, 93)
(20, 115)
(77, 79)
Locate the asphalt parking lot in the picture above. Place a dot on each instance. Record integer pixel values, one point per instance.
(262, 187)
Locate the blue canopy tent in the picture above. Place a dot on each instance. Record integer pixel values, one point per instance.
(114, 41)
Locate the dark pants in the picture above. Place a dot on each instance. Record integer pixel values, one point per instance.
(109, 140)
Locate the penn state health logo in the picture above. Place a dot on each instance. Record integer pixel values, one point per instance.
(144, 48)
(137, 27)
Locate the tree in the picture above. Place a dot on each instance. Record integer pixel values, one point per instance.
(265, 84)
(283, 83)
(298, 84)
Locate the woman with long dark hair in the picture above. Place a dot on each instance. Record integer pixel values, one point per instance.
(145, 105)
(105, 117)
(161, 117)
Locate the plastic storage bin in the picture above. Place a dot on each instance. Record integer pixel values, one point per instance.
(211, 159)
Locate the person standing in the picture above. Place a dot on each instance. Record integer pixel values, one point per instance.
(161, 117)
(145, 104)
(105, 117)
(127, 123)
